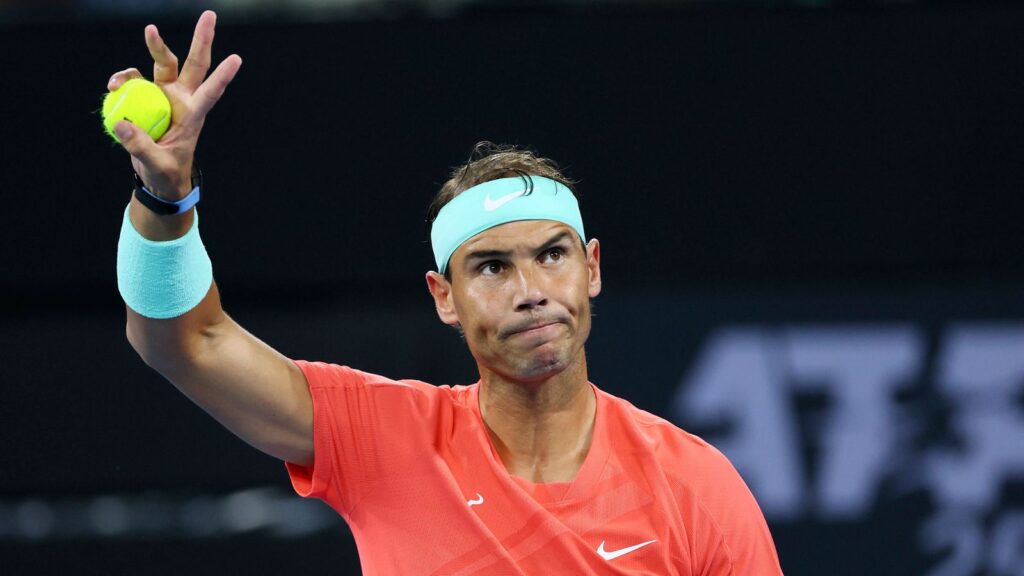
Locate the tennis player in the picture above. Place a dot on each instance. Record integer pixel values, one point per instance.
(531, 470)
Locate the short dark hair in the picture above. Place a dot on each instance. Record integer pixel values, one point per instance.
(489, 161)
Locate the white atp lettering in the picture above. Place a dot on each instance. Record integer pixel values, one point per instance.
(861, 368)
(981, 371)
(744, 378)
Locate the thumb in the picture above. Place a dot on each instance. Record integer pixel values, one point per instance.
(135, 141)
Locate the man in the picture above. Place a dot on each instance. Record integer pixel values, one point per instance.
(532, 470)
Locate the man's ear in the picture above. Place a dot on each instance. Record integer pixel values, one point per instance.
(441, 290)
(594, 267)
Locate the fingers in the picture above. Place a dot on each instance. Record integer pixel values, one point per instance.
(210, 91)
(165, 63)
(198, 61)
(136, 141)
(119, 78)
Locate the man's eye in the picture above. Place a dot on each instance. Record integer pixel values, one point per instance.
(491, 268)
(555, 254)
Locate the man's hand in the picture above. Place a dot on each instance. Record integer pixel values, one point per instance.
(166, 166)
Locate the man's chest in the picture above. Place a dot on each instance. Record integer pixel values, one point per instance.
(453, 508)
(481, 521)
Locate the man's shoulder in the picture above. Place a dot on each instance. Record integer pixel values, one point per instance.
(680, 453)
(651, 426)
(698, 474)
(324, 375)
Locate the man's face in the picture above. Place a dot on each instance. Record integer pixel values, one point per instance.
(521, 292)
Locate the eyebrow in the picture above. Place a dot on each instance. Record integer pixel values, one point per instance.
(477, 255)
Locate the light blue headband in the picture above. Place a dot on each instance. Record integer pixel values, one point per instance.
(497, 202)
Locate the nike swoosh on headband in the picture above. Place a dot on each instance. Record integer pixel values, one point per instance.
(492, 205)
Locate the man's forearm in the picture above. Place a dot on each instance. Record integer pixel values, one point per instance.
(174, 342)
(164, 343)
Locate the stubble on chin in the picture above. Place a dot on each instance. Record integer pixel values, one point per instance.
(538, 365)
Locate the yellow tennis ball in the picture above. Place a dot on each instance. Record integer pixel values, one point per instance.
(142, 103)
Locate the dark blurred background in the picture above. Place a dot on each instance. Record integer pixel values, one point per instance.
(809, 215)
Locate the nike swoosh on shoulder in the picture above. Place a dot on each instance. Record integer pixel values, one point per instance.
(613, 554)
(492, 205)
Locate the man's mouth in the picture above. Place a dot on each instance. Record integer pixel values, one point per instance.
(536, 327)
(533, 328)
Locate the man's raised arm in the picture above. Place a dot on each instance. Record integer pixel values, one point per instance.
(249, 387)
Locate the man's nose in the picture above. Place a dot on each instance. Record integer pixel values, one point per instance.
(529, 291)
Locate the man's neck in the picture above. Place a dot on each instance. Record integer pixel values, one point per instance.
(541, 431)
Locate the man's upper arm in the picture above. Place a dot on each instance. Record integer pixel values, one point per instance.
(250, 388)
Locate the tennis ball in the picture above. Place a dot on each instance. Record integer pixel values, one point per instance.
(142, 103)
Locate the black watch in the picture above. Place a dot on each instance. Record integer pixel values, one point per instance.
(164, 207)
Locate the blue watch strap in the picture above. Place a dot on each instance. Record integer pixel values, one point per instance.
(165, 207)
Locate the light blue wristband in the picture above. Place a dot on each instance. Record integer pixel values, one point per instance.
(162, 279)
